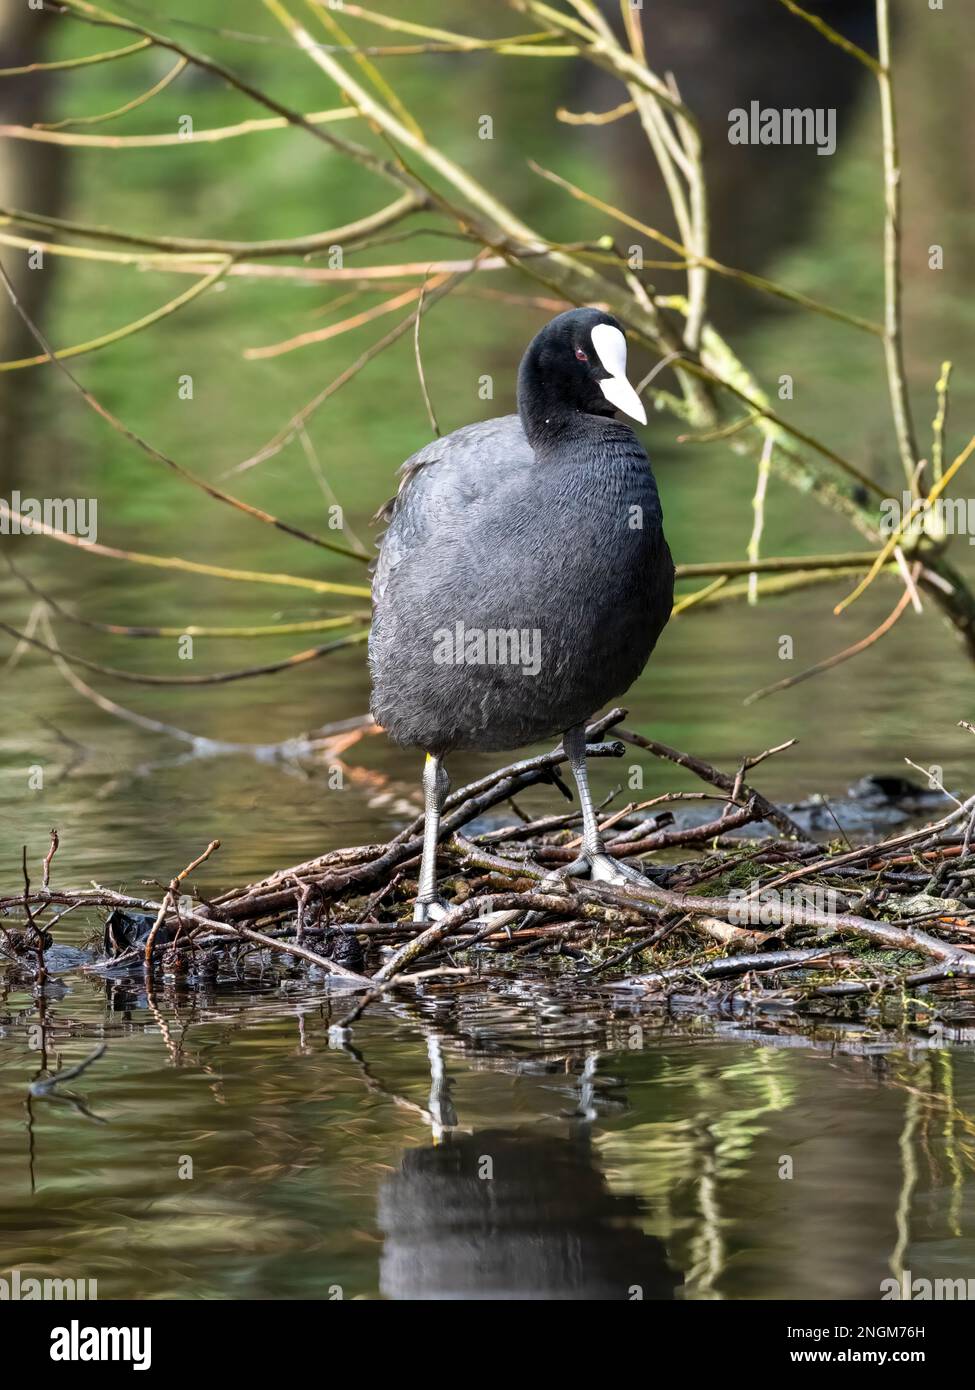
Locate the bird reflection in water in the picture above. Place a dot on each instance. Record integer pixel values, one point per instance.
(505, 1214)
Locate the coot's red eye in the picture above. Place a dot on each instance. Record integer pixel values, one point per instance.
(581, 356)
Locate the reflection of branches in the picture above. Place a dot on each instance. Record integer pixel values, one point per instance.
(46, 1088)
(912, 1111)
(325, 743)
(267, 668)
(48, 1083)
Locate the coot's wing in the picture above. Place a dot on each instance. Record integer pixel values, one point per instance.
(445, 476)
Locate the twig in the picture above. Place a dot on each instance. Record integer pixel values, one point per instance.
(268, 668)
(917, 506)
(171, 894)
(710, 774)
(28, 526)
(48, 858)
(298, 422)
(893, 329)
(940, 422)
(167, 139)
(758, 507)
(845, 655)
(60, 64)
(151, 451)
(742, 964)
(431, 416)
(165, 81)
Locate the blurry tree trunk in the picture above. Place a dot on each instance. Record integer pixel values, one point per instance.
(31, 176)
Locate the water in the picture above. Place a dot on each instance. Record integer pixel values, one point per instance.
(507, 1136)
(475, 1143)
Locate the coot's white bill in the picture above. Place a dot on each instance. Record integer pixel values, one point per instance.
(610, 347)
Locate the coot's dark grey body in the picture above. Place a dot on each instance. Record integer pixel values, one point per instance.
(495, 536)
(524, 577)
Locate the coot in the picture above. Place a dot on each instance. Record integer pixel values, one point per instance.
(524, 578)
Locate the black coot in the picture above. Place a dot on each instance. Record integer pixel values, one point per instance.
(524, 577)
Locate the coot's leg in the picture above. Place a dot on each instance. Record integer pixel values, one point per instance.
(436, 785)
(602, 865)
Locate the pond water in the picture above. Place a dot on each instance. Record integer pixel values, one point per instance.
(508, 1137)
(487, 1142)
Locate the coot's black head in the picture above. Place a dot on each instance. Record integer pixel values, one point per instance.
(575, 365)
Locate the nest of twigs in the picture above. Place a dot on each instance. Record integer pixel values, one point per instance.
(744, 895)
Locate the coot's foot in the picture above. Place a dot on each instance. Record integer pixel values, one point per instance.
(601, 868)
(606, 869)
(431, 911)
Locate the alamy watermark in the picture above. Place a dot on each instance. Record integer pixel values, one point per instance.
(29, 516)
(945, 516)
(17, 1287)
(77, 1343)
(493, 646)
(765, 125)
(749, 910)
(909, 1289)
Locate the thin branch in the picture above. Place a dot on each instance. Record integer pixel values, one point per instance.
(126, 331)
(517, 45)
(893, 328)
(755, 282)
(939, 424)
(220, 678)
(102, 18)
(834, 36)
(767, 809)
(171, 895)
(327, 19)
(28, 526)
(431, 415)
(61, 64)
(777, 565)
(909, 579)
(917, 506)
(610, 57)
(702, 595)
(682, 150)
(335, 330)
(842, 656)
(774, 587)
(152, 452)
(758, 506)
(240, 250)
(145, 631)
(49, 858)
(167, 139)
(625, 108)
(298, 422)
(160, 86)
